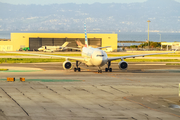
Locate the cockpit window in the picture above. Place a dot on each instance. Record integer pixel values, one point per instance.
(100, 55)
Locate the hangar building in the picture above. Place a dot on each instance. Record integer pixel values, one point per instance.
(36, 40)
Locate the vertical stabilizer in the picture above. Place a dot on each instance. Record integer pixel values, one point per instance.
(79, 44)
(65, 44)
(86, 41)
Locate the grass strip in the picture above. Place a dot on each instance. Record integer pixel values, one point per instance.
(110, 55)
(3, 69)
(172, 63)
(29, 60)
(44, 60)
(152, 60)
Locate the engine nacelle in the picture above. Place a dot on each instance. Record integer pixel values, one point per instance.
(123, 65)
(67, 65)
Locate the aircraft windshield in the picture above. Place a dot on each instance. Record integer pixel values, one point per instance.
(100, 55)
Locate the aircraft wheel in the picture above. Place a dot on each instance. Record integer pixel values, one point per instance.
(110, 69)
(79, 69)
(74, 69)
(99, 71)
(106, 69)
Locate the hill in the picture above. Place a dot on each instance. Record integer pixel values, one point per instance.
(110, 17)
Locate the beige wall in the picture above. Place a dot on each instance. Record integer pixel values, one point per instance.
(6, 46)
(171, 43)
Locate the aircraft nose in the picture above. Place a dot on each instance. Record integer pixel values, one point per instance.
(99, 61)
(39, 49)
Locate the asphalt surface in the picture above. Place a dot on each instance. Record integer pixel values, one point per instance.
(145, 91)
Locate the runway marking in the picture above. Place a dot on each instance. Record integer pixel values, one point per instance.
(125, 98)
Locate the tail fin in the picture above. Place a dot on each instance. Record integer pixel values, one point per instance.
(86, 41)
(79, 43)
(65, 44)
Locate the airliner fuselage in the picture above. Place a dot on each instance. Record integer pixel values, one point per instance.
(95, 57)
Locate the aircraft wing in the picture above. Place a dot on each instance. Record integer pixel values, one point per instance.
(73, 48)
(133, 56)
(104, 47)
(80, 59)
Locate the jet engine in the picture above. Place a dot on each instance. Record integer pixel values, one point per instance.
(67, 65)
(123, 65)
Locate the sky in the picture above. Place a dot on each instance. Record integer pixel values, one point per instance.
(42, 2)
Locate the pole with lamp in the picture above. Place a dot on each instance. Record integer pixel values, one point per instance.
(148, 32)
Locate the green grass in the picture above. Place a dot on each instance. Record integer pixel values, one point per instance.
(3, 69)
(110, 55)
(150, 60)
(172, 63)
(28, 60)
(163, 55)
(13, 54)
(43, 60)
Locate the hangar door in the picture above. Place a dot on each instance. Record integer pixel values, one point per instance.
(35, 43)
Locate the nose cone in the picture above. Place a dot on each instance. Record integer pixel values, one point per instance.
(40, 49)
(99, 58)
(99, 61)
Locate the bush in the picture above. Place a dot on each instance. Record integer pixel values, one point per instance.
(151, 44)
(133, 46)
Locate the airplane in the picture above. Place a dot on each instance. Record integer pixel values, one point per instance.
(94, 57)
(55, 48)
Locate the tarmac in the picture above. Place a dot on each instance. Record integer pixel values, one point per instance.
(145, 91)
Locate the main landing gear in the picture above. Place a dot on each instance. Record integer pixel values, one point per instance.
(108, 69)
(77, 68)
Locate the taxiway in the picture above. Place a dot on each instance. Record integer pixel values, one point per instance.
(145, 91)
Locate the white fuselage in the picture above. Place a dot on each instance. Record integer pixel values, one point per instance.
(94, 56)
(50, 48)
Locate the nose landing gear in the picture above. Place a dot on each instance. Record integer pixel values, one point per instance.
(99, 71)
(108, 69)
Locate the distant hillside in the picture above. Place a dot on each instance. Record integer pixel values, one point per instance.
(110, 17)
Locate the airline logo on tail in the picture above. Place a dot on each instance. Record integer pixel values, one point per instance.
(86, 41)
(79, 44)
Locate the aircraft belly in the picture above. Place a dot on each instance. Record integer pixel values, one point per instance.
(89, 63)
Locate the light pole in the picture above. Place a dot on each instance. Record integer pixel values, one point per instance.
(160, 40)
(148, 31)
